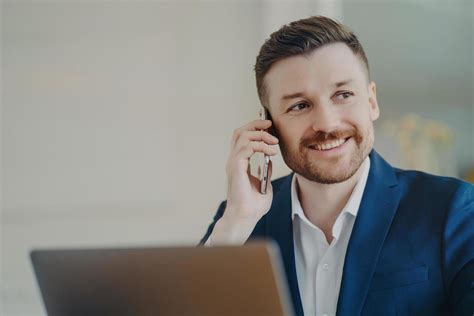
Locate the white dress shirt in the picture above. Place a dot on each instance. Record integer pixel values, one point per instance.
(319, 264)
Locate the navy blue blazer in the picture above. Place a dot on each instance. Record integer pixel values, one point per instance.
(411, 251)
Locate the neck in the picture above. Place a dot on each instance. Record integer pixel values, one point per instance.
(322, 203)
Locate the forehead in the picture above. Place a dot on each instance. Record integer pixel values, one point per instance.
(323, 67)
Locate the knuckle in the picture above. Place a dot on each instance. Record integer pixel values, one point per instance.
(256, 144)
(245, 150)
(249, 146)
(244, 134)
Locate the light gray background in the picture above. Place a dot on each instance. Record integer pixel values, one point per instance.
(117, 116)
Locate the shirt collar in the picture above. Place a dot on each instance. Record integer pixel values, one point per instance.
(351, 207)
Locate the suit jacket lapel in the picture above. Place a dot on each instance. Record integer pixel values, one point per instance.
(279, 227)
(378, 206)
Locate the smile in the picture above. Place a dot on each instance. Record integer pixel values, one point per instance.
(329, 145)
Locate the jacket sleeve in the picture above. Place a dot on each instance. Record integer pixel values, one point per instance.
(219, 213)
(458, 260)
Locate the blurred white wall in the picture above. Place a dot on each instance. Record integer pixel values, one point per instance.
(117, 121)
(117, 117)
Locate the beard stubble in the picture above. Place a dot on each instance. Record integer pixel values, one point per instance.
(332, 170)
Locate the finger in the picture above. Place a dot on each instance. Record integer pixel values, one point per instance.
(256, 125)
(247, 136)
(252, 126)
(251, 148)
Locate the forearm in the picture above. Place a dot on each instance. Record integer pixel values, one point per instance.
(231, 231)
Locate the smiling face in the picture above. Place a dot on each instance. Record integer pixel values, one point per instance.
(323, 108)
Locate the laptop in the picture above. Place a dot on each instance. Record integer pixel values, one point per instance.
(221, 280)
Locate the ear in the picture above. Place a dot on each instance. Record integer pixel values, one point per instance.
(374, 106)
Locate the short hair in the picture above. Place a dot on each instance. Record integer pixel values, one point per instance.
(302, 37)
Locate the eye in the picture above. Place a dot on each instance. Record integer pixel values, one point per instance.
(344, 95)
(298, 107)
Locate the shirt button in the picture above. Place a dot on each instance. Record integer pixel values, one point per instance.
(325, 267)
(324, 314)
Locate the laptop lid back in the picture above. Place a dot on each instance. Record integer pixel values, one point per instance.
(227, 280)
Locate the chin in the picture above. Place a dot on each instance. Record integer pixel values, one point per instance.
(330, 171)
(324, 177)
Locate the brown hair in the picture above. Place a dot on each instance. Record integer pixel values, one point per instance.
(302, 37)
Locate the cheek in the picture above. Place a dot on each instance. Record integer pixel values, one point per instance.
(287, 136)
(361, 116)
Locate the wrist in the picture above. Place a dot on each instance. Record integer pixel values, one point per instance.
(232, 230)
(238, 216)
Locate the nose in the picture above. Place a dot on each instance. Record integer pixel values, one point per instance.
(324, 118)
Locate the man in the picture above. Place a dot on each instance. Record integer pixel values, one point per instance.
(357, 236)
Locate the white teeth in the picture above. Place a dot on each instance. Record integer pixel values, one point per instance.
(330, 145)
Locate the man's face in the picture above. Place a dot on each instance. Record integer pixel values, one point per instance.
(323, 109)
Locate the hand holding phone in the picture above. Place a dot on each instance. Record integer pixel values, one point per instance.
(245, 204)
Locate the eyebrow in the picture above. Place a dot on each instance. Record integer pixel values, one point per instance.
(300, 94)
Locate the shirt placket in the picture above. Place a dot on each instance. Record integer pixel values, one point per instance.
(325, 281)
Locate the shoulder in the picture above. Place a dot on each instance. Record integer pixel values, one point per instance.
(434, 185)
(444, 200)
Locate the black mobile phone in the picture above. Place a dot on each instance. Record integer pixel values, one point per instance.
(266, 159)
